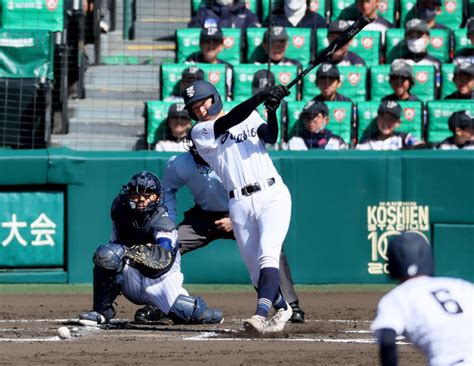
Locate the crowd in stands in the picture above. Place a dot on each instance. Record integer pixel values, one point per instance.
(417, 71)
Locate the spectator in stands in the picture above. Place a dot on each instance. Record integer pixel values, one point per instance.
(427, 10)
(262, 79)
(224, 14)
(315, 116)
(464, 80)
(178, 124)
(342, 57)
(401, 81)
(296, 13)
(461, 124)
(211, 43)
(381, 133)
(466, 53)
(328, 80)
(188, 76)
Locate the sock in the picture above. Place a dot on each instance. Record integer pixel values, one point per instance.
(268, 283)
(280, 301)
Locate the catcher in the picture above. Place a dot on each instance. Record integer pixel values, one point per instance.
(142, 260)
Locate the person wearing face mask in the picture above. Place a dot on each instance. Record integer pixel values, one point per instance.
(426, 10)
(464, 80)
(401, 81)
(295, 13)
(224, 14)
(315, 116)
(342, 57)
(461, 124)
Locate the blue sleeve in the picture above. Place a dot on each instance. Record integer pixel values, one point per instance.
(172, 182)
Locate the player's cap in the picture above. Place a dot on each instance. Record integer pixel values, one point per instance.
(202, 89)
(262, 79)
(328, 71)
(192, 73)
(409, 254)
(211, 34)
(460, 119)
(470, 26)
(417, 25)
(464, 68)
(178, 110)
(391, 107)
(338, 26)
(313, 108)
(401, 69)
(277, 33)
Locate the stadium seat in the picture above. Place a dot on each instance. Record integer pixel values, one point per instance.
(424, 87)
(318, 6)
(438, 115)
(196, 4)
(171, 75)
(439, 46)
(299, 44)
(451, 13)
(340, 119)
(187, 42)
(347, 10)
(243, 75)
(460, 40)
(155, 120)
(412, 118)
(447, 84)
(354, 83)
(366, 44)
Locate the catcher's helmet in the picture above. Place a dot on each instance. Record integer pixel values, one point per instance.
(409, 254)
(199, 90)
(144, 183)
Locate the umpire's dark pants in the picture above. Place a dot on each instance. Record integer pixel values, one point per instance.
(198, 230)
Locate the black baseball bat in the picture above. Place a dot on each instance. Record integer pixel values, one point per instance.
(340, 41)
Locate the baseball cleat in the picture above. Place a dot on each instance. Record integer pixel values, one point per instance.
(149, 314)
(256, 325)
(298, 313)
(278, 321)
(92, 318)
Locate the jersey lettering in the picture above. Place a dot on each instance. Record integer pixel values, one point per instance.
(449, 305)
(241, 137)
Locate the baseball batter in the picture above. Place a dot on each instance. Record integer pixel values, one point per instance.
(233, 145)
(142, 259)
(435, 314)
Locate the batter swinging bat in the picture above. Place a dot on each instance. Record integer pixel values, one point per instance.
(340, 41)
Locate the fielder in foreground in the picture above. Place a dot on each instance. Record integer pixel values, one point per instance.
(435, 314)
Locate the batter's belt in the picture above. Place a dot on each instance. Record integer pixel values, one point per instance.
(252, 188)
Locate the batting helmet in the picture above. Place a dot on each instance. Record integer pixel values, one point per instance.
(409, 254)
(199, 90)
(144, 183)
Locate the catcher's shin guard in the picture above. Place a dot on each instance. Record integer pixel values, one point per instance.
(193, 310)
(106, 290)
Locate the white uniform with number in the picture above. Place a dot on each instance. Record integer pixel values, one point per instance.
(435, 314)
(261, 220)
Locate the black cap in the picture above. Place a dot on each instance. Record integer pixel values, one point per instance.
(328, 71)
(460, 119)
(211, 34)
(470, 25)
(313, 108)
(417, 25)
(178, 110)
(193, 72)
(402, 69)
(277, 33)
(262, 79)
(464, 68)
(338, 26)
(391, 107)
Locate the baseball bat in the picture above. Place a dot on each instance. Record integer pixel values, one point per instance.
(340, 41)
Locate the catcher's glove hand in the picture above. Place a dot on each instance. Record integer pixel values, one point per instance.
(276, 95)
(151, 258)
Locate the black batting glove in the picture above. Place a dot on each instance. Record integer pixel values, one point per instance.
(276, 95)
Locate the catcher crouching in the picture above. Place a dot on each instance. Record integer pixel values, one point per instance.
(142, 260)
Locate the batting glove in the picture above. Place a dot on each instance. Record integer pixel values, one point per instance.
(276, 94)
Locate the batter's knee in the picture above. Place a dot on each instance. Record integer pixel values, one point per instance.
(110, 256)
(193, 310)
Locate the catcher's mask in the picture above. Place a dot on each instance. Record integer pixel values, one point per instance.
(141, 188)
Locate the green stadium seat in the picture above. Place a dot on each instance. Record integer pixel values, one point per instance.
(367, 44)
(196, 4)
(243, 75)
(340, 119)
(439, 46)
(156, 114)
(451, 13)
(347, 10)
(460, 40)
(438, 115)
(299, 44)
(45, 15)
(412, 118)
(424, 87)
(353, 86)
(187, 41)
(447, 85)
(318, 6)
(171, 75)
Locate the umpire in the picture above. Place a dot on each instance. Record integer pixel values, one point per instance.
(207, 220)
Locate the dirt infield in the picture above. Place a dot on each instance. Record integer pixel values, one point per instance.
(336, 333)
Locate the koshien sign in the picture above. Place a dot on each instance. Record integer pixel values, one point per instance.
(31, 229)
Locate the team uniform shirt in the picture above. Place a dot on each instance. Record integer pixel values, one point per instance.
(324, 140)
(458, 95)
(398, 141)
(339, 98)
(411, 98)
(228, 16)
(310, 20)
(262, 58)
(204, 184)
(238, 146)
(435, 314)
(349, 59)
(464, 55)
(449, 144)
(170, 145)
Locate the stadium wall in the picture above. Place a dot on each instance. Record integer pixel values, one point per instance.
(345, 205)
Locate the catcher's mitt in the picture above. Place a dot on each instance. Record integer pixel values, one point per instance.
(151, 259)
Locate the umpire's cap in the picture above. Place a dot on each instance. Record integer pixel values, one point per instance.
(409, 254)
(202, 89)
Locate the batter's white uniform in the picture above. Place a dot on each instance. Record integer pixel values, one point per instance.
(435, 314)
(260, 220)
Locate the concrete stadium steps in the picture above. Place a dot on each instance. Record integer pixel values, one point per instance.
(95, 142)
